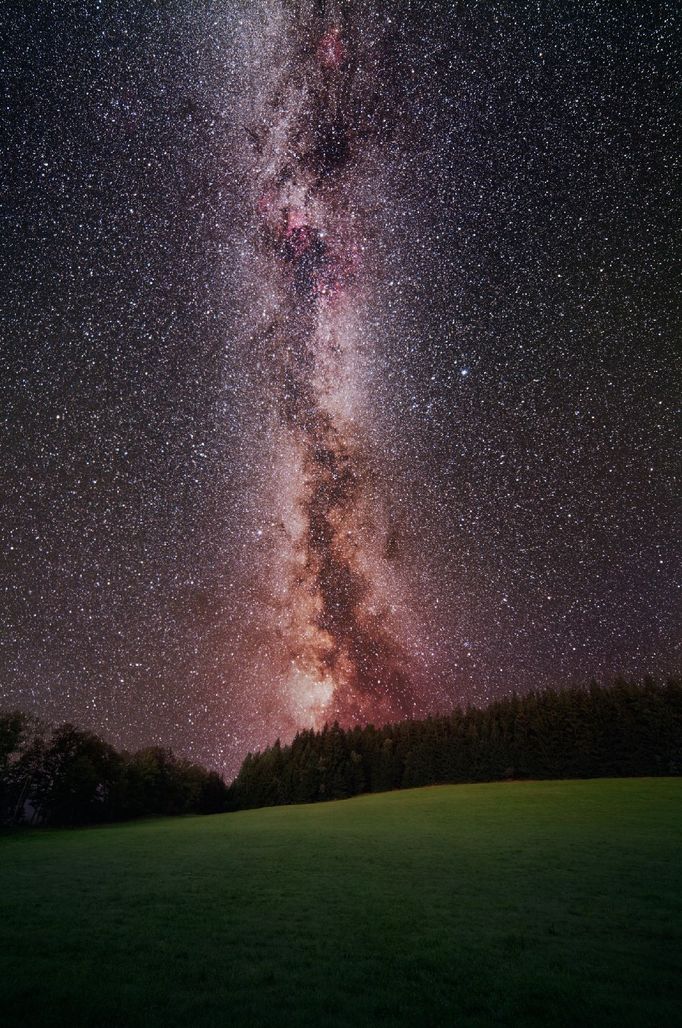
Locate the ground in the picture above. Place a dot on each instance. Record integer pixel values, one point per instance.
(524, 903)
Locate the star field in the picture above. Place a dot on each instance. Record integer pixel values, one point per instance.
(487, 236)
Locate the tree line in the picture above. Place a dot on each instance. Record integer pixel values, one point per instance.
(624, 729)
(71, 777)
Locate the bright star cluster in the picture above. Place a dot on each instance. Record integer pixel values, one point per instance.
(340, 360)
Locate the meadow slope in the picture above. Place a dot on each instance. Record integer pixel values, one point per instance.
(524, 903)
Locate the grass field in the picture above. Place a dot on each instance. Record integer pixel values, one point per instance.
(535, 903)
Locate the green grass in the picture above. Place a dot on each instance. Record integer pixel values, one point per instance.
(534, 903)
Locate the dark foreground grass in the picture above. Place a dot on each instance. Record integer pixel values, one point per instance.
(536, 903)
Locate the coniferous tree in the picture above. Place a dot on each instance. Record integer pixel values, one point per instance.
(623, 729)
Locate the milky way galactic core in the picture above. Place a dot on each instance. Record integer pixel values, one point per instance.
(339, 363)
(336, 603)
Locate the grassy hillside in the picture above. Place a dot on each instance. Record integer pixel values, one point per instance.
(535, 903)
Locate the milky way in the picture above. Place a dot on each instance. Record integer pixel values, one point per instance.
(339, 362)
(314, 124)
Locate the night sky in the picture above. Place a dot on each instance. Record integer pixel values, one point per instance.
(339, 360)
